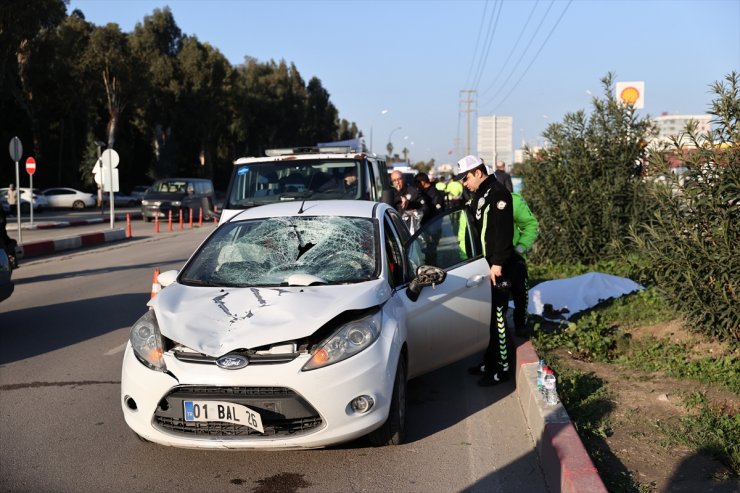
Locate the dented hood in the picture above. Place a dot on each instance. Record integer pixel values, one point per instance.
(214, 321)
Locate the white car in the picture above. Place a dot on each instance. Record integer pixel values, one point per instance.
(297, 325)
(69, 197)
(27, 197)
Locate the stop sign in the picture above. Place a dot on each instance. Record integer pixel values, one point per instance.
(30, 165)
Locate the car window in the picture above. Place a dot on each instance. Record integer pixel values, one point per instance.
(317, 179)
(443, 242)
(270, 251)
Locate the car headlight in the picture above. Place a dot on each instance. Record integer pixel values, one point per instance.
(144, 202)
(146, 341)
(351, 338)
(176, 203)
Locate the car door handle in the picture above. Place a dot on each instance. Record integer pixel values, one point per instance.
(474, 281)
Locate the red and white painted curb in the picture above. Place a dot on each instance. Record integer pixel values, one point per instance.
(565, 462)
(46, 247)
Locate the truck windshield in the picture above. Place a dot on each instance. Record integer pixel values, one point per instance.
(261, 183)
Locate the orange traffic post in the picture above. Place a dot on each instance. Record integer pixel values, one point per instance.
(200, 216)
(156, 223)
(128, 225)
(169, 221)
(215, 218)
(156, 287)
(181, 219)
(191, 217)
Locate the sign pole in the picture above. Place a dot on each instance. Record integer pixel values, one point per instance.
(16, 151)
(110, 175)
(31, 169)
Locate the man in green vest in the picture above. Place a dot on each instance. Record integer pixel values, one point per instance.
(526, 229)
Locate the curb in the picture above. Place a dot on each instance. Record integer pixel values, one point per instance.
(565, 462)
(80, 222)
(46, 247)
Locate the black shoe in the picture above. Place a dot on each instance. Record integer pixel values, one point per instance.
(477, 369)
(490, 379)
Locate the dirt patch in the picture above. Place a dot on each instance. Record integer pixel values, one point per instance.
(638, 403)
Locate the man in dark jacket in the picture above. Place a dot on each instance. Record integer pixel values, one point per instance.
(492, 209)
(434, 203)
(502, 176)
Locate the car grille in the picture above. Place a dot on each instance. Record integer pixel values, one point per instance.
(283, 412)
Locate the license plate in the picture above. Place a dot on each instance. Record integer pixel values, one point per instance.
(204, 411)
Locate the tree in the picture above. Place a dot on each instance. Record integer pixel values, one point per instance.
(585, 187)
(690, 239)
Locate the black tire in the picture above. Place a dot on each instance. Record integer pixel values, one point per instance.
(393, 431)
(78, 204)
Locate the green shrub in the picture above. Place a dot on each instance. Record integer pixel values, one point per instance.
(584, 187)
(690, 242)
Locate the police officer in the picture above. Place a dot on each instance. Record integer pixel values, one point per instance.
(493, 216)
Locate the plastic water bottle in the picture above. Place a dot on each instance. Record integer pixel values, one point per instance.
(540, 368)
(551, 393)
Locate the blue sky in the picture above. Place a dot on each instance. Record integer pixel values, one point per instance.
(390, 64)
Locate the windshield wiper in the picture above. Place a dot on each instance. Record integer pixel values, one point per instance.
(199, 282)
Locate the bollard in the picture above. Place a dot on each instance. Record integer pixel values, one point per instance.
(215, 218)
(128, 225)
(156, 223)
(169, 221)
(200, 216)
(181, 219)
(191, 217)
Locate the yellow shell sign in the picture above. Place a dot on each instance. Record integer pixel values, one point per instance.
(631, 93)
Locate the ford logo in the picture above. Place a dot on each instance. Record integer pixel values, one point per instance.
(232, 362)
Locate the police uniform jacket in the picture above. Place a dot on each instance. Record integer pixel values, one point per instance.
(494, 220)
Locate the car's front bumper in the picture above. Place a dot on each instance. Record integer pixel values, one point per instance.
(328, 391)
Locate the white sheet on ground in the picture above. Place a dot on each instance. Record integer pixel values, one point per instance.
(577, 293)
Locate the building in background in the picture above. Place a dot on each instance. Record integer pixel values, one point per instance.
(675, 126)
(495, 140)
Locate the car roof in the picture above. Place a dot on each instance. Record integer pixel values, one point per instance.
(281, 155)
(345, 208)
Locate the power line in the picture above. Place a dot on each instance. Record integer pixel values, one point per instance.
(526, 49)
(489, 42)
(477, 43)
(513, 50)
(535, 55)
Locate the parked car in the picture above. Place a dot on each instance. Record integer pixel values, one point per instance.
(139, 191)
(306, 173)
(27, 198)
(69, 197)
(120, 199)
(298, 324)
(177, 195)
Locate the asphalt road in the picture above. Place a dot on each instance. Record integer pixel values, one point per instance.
(62, 335)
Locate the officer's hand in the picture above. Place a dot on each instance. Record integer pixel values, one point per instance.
(495, 272)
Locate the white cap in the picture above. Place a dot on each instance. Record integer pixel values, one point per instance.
(468, 163)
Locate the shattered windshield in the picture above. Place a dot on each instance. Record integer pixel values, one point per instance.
(314, 179)
(282, 251)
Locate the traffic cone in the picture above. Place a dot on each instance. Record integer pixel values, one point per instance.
(169, 221)
(156, 223)
(156, 287)
(128, 225)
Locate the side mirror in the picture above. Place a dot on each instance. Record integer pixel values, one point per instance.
(426, 275)
(167, 277)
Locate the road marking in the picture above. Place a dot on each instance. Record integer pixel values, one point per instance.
(116, 350)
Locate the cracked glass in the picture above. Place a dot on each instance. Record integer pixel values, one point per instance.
(284, 251)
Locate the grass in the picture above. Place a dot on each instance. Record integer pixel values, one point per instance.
(602, 334)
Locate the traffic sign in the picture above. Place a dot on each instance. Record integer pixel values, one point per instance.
(16, 149)
(109, 158)
(30, 165)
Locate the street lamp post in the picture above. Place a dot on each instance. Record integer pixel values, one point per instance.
(383, 112)
(389, 147)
